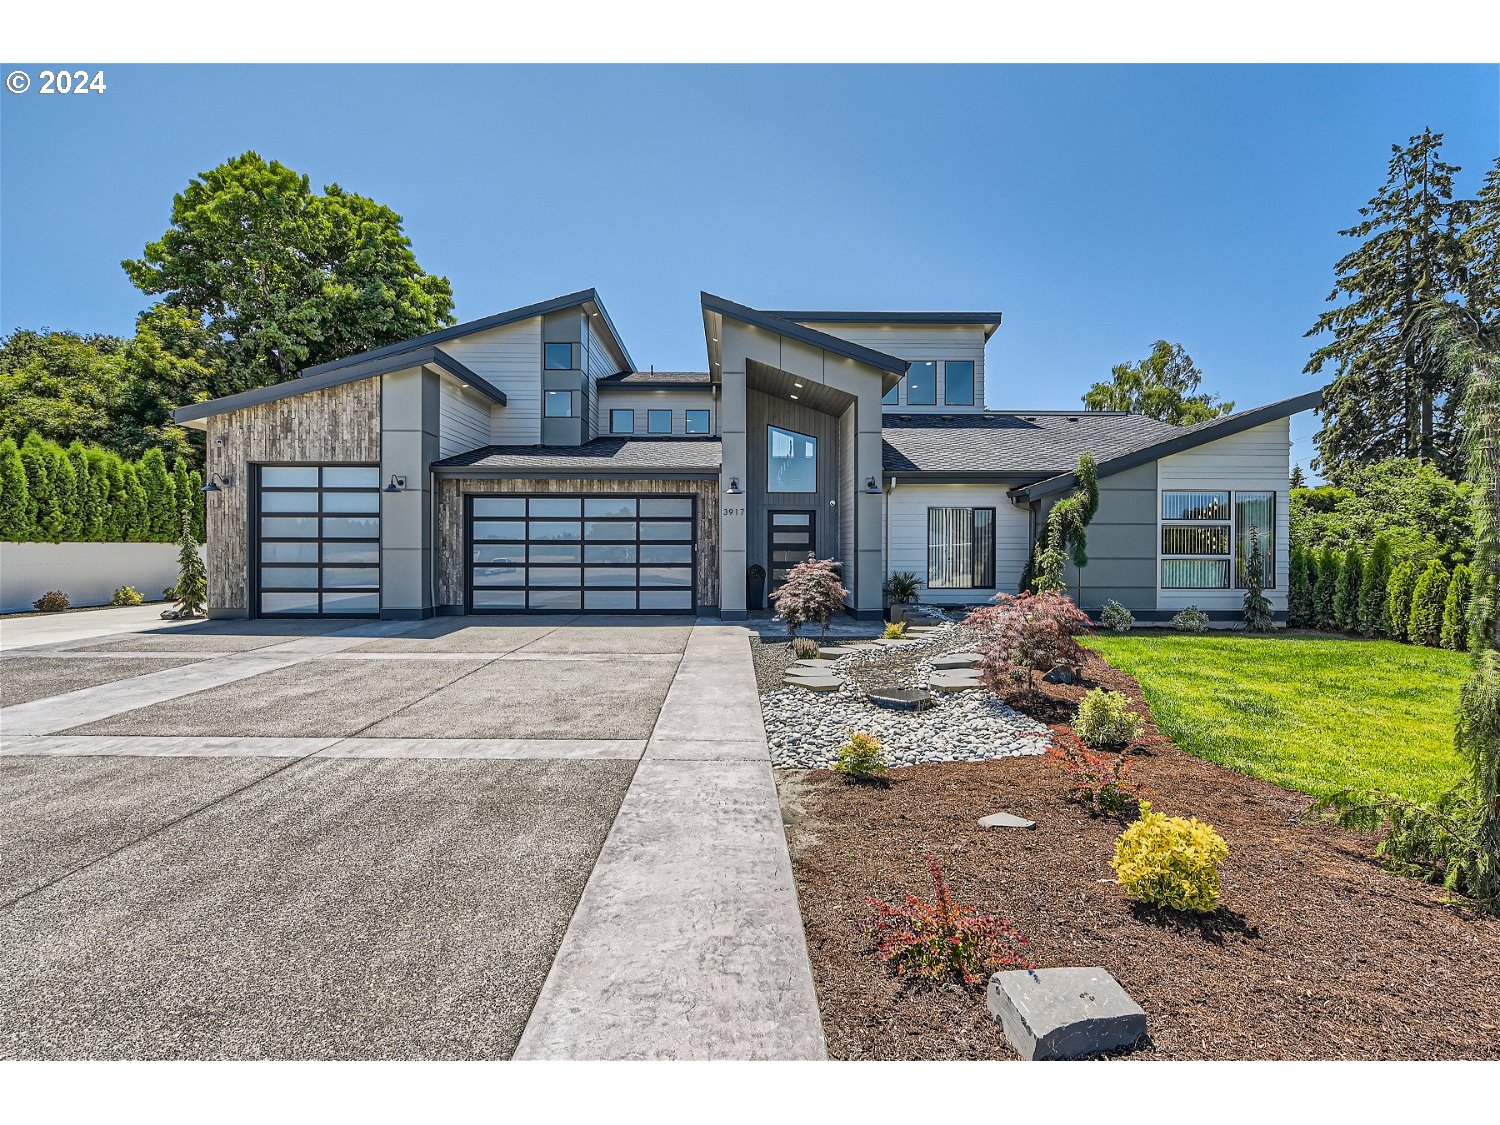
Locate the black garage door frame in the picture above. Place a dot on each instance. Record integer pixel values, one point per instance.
(257, 537)
(692, 542)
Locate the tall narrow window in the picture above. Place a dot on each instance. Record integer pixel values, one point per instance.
(961, 548)
(921, 383)
(622, 421)
(1195, 540)
(791, 461)
(1257, 510)
(658, 421)
(958, 382)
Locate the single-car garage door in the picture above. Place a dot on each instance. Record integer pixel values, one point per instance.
(599, 554)
(317, 541)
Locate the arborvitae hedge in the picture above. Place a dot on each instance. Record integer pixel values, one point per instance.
(1372, 589)
(1425, 625)
(1455, 633)
(49, 494)
(1398, 600)
(1346, 591)
(1299, 596)
(1324, 589)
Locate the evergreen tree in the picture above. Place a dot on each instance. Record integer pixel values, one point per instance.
(1299, 590)
(1258, 617)
(15, 526)
(191, 590)
(162, 522)
(137, 506)
(42, 514)
(65, 484)
(1297, 479)
(182, 486)
(1389, 399)
(117, 513)
(1346, 592)
(1481, 239)
(1373, 582)
(88, 516)
(1455, 633)
(199, 506)
(1324, 589)
(1398, 600)
(1425, 625)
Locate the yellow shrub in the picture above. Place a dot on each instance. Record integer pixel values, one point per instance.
(861, 757)
(1169, 861)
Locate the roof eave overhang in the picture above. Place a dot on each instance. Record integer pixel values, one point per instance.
(643, 472)
(958, 476)
(720, 307)
(602, 385)
(989, 321)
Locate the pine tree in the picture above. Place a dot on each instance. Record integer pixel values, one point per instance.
(1481, 240)
(1398, 600)
(1324, 589)
(1258, 617)
(1388, 399)
(15, 526)
(1425, 625)
(1297, 479)
(1372, 587)
(1455, 633)
(1346, 593)
(191, 590)
(162, 522)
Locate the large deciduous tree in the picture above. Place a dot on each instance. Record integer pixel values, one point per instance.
(1163, 386)
(285, 277)
(1391, 397)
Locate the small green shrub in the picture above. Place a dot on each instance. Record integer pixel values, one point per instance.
(804, 648)
(1190, 620)
(126, 595)
(861, 758)
(1169, 861)
(1257, 606)
(1425, 625)
(1116, 617)
(902, 587)
(895, 630)
(1105, 718)
(53, 601)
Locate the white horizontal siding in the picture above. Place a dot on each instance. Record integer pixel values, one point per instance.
(463, 418)
(678, 402)
(906, 529)
(1256, 460)
(510, 357)
(939, 342)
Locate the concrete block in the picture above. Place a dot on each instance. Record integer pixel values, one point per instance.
(1064, 1013)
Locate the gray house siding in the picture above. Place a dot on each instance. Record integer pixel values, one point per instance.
(1121, 545)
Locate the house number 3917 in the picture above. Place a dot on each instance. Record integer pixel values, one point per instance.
(734, 511)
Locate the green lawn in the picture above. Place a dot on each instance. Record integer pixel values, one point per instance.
(1311, 713)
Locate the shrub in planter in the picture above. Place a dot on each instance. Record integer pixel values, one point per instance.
(1455, 633)
(1105, 718)
(1116, 617)
(902, 587)
(861, 758)
(126, 595)
(895, 630)
(755, 585)
(944, 940)
(1425, 625)
(804, 648)
(1099, 782)
(1398, 594)
(1023, 634)
(1190, 620)
(53, 601)
(1170, 861)
(813, 592)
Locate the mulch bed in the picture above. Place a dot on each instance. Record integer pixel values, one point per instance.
(1316, 953)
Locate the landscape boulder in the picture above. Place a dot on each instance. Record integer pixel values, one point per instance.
(1064, 1013)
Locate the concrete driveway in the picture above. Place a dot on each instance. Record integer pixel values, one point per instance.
(334, 840)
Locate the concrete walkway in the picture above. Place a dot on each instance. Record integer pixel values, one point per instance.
(56, 628)
(687, 942)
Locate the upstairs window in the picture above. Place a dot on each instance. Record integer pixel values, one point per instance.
(921, 383)
(558, 404)
(696, 422)
(958, 382)
(791, 461)
(658, 421)
(558, 357)
(622, 421)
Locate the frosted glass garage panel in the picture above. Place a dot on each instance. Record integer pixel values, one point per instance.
(351, 476)
(289, 602)
(666, 599)
(289, 476)
(672, 507)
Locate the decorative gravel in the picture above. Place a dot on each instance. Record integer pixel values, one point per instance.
(805, 729)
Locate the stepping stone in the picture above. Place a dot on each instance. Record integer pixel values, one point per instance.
(815, 683)
(948, 681)
(794, 670)
(956, 660)
(1064, 1013)
(810, 662)
(893, 642)
(1005, 820)
(833, 652)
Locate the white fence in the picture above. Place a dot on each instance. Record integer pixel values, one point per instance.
(87, 572)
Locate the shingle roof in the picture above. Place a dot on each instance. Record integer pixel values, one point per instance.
(656, 379)
(602, 455)
(1020, 443)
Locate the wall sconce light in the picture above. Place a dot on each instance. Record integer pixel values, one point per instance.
(216, 483)
(734, 488)
(871, 487)
(398, 484)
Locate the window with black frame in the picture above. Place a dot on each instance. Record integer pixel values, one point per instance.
(317, 540)
(960, 548)
(1196, 540)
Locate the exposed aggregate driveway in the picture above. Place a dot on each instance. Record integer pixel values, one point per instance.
(163, 898)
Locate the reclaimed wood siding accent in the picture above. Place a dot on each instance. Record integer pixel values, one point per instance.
(341, 424)
(449, 546)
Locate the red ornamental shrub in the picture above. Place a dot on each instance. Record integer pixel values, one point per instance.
(1101, 783)
(1026, 633)
(942, 939)
(813, 591)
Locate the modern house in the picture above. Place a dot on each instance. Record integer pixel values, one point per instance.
(523, 462)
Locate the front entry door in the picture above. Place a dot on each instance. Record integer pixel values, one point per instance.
(792, 539)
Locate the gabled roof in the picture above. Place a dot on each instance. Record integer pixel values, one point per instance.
(700, 455)
(656, 380)
(1014, 445)
(790, 328)
(483, 324)
(337, 377)
(1179, 440)
(988, 320)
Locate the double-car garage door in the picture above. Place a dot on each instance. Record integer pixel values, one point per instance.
(602, 554)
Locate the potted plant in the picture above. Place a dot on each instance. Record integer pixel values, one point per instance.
(901, 590)
(755, 586)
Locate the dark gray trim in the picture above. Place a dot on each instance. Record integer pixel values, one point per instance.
(1190, 438)
(864, 614)
(421, 357)
(407, 614)
(734, 615)
(782, 327)
(990, 320)
(644, 472)
(955, 476)
(451, 611)
(496, 320)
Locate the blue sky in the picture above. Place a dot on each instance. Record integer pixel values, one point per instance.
(1100, 207)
